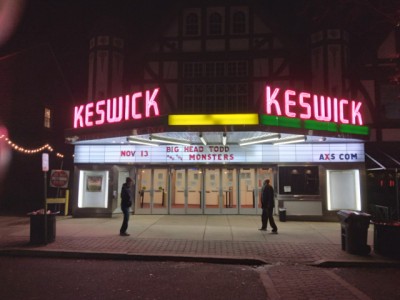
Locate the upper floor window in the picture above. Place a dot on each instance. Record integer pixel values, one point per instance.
(389, 101)
(239, 22)
(188, 70)
(192, 24)
(198, 70)
(215, 24)
(215, 69)
(215, 97)
(47, 118)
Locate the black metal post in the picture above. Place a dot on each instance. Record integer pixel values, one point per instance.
(45, 207)
(397, 193)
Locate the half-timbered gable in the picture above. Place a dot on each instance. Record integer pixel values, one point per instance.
(216, 58)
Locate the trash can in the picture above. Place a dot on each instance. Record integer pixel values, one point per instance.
(387, 238)
(354, 231)
(37, 234)
(282, 214)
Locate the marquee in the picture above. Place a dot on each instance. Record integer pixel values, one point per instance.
(301, 153)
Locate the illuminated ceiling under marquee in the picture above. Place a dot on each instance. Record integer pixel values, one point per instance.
(214, 138)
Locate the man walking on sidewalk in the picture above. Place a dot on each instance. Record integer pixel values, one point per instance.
(268, 204)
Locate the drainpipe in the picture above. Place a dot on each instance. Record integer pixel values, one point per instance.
(397, 194)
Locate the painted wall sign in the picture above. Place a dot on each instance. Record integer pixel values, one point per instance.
(325, 153)
(134, 106)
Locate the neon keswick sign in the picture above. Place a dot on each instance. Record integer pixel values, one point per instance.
(306, 106)
(117, 109)
(282, 107)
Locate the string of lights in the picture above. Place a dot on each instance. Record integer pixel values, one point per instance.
(29, 151)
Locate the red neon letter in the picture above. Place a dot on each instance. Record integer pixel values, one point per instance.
(127, 110)
(114, 114)
(322, 115)
(289, 102)
(335, 110)
(78, 116)
(305, 105)
(150, 102)
(271, 100)
(355, 113)
(342, 103)
(134, 105)
(100, 112)
(89, 114)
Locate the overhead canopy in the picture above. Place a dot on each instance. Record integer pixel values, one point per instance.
(382, 156)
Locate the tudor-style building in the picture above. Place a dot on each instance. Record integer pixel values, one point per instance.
(211, 67)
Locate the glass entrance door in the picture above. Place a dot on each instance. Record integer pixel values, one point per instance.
(195, 191)
(122, 175)
(212, 191)
(229, 191)
(178, 191)
(160, 191)
(247, 181)
(187, 190)
(151, 191)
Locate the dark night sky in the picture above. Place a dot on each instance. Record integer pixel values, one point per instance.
(65, 24)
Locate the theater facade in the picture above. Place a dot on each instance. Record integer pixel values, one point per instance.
(310, 146)
(218, 102)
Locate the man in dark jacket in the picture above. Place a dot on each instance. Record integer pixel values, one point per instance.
(126, 203)
(268, 204)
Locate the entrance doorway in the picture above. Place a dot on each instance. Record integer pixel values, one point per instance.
(200, 190)
(152, 191)
(186, 185)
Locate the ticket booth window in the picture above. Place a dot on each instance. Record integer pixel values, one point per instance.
(299, 180)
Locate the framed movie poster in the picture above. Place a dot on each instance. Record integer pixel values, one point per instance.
(94, 183)
(93, 189)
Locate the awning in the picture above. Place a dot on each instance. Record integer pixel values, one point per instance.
(382, 155)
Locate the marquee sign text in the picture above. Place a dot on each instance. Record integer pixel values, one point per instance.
(217, 154)
(134, 106)
(304, 105)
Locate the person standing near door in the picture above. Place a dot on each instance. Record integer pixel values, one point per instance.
(268, 204)
(126, 203)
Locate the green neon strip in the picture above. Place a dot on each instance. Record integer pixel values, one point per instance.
(346, 128)
(312, 125)
(316, 125)
(269, 120)
(280, 121)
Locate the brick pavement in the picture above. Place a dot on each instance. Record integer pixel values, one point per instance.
(285, 265)
(297, 282)
(286, 274)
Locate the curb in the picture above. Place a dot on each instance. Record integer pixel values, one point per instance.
(251, 261)
(127, 256)
(355, 264)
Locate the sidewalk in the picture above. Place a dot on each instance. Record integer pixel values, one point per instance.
(228, 238)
